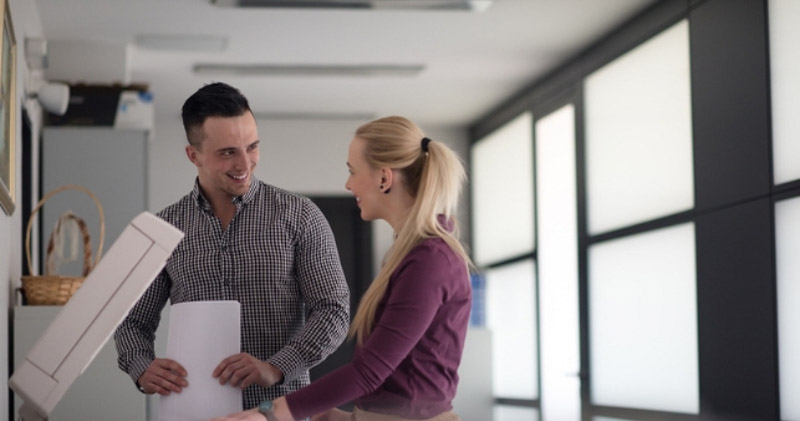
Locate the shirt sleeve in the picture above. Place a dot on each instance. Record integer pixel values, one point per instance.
(325, 293)
(417, 291)
(135, 336)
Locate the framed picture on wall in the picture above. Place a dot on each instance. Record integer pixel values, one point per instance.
(8, 131)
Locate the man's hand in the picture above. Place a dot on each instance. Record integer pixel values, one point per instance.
(242, 370)
(164, 376)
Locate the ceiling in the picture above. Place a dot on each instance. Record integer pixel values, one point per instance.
(471, 61)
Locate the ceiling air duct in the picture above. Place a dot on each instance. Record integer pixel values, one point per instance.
(465, 5)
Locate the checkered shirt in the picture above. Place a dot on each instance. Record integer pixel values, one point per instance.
(277, 257)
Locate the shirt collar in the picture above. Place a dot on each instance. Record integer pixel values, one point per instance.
(203, 203)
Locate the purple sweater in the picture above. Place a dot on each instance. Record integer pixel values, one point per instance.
(408, 364)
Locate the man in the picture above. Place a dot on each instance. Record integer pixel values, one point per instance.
(245, 240)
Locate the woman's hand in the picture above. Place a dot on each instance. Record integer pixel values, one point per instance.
(332, 415)
(251, 415)
(280, 409)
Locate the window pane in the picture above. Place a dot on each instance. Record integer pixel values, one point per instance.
(639, 134)
(514, 413)
(787, 239)
(502, 192)
(643, 321)
(784, 31)
(557, 220)
(511, 317)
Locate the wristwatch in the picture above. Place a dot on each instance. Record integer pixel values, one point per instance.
(265, 408)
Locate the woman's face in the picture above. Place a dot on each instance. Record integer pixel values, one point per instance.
(364, 182)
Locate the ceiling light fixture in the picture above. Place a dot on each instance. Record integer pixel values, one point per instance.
(323, 70)
(313, 116)
(466, 5)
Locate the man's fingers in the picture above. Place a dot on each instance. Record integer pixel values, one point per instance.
(171, 365)
(247, 381)
(166, 384)
(227, 374)
(240, 375)
(169, 370)
(233, 359)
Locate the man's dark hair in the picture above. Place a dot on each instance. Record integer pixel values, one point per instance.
(213, 100)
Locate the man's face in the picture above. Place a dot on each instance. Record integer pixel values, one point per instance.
(226, 156)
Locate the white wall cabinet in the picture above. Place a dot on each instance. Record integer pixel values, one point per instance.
(111, 163)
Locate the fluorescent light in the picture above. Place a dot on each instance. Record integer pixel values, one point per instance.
(309, 69)
(182, 42)
(289, 115)
(468, 5)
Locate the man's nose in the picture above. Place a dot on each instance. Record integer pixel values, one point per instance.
(240, 161)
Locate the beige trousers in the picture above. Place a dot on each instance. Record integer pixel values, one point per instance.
(360, 415)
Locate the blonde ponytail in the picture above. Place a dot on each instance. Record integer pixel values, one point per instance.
(433, 177)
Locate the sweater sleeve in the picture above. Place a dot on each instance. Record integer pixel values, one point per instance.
(416, 292)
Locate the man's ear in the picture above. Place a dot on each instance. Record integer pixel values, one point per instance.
(191, 153)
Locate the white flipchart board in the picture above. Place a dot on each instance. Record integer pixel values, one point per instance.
(89, 318)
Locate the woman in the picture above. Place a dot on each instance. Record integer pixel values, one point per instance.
(411, 322)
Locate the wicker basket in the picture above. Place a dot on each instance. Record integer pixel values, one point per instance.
(54, 289)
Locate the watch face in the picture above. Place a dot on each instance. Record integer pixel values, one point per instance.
(265, 407)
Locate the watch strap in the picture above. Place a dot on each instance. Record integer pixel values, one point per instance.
(265, 408)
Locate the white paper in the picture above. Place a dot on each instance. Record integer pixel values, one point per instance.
(201, 335)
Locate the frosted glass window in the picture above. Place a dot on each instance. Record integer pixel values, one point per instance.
(557, 258)
(609, 419)
(787, 241)
(502, 192)
(639, 134)
(643, 321)
(784, 31)
(513, 413)
(511, 317)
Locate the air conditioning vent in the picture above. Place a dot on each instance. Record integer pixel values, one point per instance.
(465, 5)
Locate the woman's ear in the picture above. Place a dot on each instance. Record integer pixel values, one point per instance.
(387, 178)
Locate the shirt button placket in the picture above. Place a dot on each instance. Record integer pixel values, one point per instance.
(226, 263)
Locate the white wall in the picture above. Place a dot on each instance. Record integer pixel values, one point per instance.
(307, 157)
(27, 22)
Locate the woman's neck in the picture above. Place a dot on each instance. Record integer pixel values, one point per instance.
(400, 209)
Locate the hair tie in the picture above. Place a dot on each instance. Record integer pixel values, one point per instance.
(425, 142)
